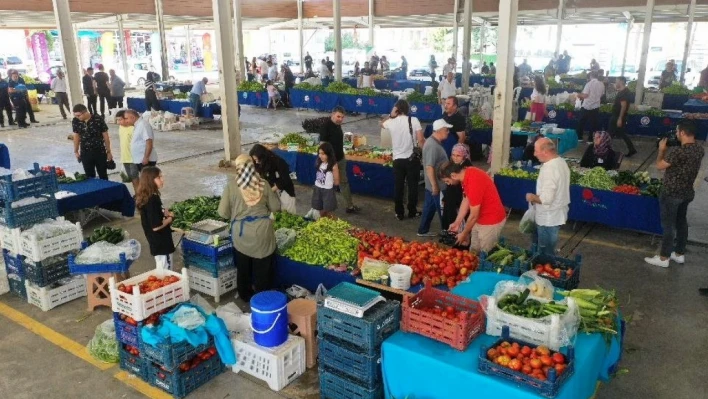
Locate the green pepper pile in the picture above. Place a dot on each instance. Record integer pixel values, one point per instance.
(289, 221)
(113, 235)
(597, 178)
(195, 210)
(520, 305)
(324, 242)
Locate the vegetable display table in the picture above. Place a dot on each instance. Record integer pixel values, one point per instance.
(566, 141)
(482, 80)
(109, 195)
(289, 272)
(256, 99)
(165, 86)
(622, 211)
(694, 105)
(412, 364)
(396, 85)
(175, 106)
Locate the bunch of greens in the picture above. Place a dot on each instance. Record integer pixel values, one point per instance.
(597, 178)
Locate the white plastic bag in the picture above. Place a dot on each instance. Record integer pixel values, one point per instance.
(539, 286)
(313, 214)
(527, 225)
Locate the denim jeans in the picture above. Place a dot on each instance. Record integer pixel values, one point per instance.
(674, 223)
(431, 207)
(546, 237)
(195, 102)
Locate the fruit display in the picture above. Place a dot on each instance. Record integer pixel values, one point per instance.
(418, 97)
(195, 210)
(520, 304)
(627, 189)
(77, 177)
(598, 310)
(534, 362)
(131, 349)
(324, 242)
(113, 235)
(294, 138)
(477, 122)
(556, 271)
(59, 171)
(381, 155)
(597, 178)
(198, 359)
(289, 221)
(251, 86)
(151, 284)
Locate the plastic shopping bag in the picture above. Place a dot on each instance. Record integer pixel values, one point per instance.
(528, 221)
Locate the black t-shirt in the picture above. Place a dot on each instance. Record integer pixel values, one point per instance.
(458, 122)
(152, 216)
(366, 71)
(87, 82)
(590, 160)
(333, 134)
(91, 134)
(4, 93)
(308, 61)
(330, 65)
(623, 95)
(279, 175)
(101, 79)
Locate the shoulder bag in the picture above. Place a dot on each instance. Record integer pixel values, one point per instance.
(417, 155)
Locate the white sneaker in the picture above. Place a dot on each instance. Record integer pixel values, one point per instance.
(680, 259)
(656, 261)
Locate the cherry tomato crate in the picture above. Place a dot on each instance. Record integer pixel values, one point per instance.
(37, 250)
(224, 263)
(456, 333)
(98, 268)
(277, 366)
(27, 215)
(548, 389)
(515, 269)
(41, 183)
(47, 271)
(343, 357)
(48, 298)
(201, 281)
(334, 385)
(366, 333)
(132, 364)
(181, 383)
(140, 306)
(125, 332)
(171, 354)
(565, 282)
(209, 251)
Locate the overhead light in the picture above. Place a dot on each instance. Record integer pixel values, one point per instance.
(627, 14)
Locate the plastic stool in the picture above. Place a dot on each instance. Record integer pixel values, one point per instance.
(302, 315)
(97, 290)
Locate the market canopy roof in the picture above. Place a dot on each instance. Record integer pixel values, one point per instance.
(282, 14)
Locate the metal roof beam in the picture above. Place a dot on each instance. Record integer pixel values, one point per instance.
(112, 20)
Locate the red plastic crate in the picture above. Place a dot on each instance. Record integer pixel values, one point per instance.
(456, 333)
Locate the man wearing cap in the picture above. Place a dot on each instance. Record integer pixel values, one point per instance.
(58, 86)
(434, 155)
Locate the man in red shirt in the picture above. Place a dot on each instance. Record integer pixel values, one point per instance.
(486, 217)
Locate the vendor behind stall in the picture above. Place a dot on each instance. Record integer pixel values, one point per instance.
(600, 153)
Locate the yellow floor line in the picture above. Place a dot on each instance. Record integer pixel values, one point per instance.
(52, 336)
(141, 386)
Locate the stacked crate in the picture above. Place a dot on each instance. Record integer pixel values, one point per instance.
(210, 259)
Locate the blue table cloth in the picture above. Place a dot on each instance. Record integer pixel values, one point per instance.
(317, 100)
(395, 85)
(289, 272)
(419, 367)
(90, 193)
(174, 106)
(480, 136)
(366, 104)
(185, 88)
(694, 105)
(4, 156)
(674, 101)
(622, 211)
(566, 141)
(256, 99)
(481, 80)
(426, 112)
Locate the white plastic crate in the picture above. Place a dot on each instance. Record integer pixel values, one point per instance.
(9, 239)
(203, 282)
(37, 250)
(4, 284)
(141, 306)
(47, 298)
(532, 330)
(278, 366)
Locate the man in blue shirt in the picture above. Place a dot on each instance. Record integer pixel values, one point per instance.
(195, 96)
(18, 92)
(5, 104)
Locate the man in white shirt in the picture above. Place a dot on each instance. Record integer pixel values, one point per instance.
(449, 67)
(592, 99)
(142, 147)
(324, 71)
(272, 71)
(58, 86)
(446, 89)
(552, 196)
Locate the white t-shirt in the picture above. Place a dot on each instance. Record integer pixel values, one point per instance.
(594, 89)
(447, 68)
(447, 89)
(401, 139)
(538, 97)
(324, 71)
(324, 178)
(553, 186)
(263, 66)
(141, 133)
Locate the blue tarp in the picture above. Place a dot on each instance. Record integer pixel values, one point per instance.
(90, 193)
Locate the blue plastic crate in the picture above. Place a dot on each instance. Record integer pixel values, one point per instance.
(17, 287)
(336, 386)
(210, 252)
(565, 282)
(181, 383)
(366, 333)
(99, 268)
(42, 273)
(41, 184)
(132, 364)
(343, 357)
(548, 389)
(25, 216)
(515, 269)
(127, 333)
(223, 264)
(13, 264)
(170, 355)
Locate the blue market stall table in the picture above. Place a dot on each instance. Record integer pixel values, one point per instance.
(175, 106)
(400, 85)
(566, 141)
(695, 106)
(414, 365)
(622, 211)
(367, 104)
(482, 80)
(93, 193)
(317, 100)
(289, 272)
(166, 86)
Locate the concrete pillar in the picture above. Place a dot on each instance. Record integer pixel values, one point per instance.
(504, 91)
(687, 44)
(62, 13)
(482, 38)
(648, 16)
(337, 14)
(227, 77)
(188, 47)
(371, 23)
(559, 28)
(238, 27)
(300, 36)
(630, 22)
(123, 51)
(455, 28)
(466, 45)
(164, 64)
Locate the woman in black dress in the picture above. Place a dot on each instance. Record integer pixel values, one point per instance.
(276, 171)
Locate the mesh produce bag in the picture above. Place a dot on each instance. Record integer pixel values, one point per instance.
(104, 346)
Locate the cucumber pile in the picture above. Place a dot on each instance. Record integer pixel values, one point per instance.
(113, 235)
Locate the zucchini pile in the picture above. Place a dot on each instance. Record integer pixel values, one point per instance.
(113, 235)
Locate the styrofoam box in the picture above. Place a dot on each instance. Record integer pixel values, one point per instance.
(47, 298)
(203, 282)
(140, 306)
(277, 366)
(38, 250)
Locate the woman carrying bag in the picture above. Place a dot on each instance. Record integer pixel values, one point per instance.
(276, 172)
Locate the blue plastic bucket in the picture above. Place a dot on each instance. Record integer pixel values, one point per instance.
(269, 318)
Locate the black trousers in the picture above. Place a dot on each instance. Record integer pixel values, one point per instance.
(104, 99)
(91, 103)
(406, 171)
(94, 162)
(254, 275)
(7, 107)
(117, 102)
(20, 110)
(28, 108)
(621, 133)
(63, 101)
(589, 117)
(151, 101)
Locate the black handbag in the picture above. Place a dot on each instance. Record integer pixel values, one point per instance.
(417, 155)
(110, 165)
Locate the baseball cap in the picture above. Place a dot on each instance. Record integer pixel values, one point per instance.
(439, 124)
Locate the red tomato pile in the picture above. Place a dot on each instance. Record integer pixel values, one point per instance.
(59, 171)
(627, 189)
(534, 362)
(151, 284)
(442, 265)
(131, 349)
(448, 312)
(548, 271)
(197, 360)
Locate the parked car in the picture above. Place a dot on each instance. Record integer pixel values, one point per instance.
(693, 73)
(13, 62)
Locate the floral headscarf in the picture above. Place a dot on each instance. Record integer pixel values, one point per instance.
(463, 150)
(248, 180)
(603, 147)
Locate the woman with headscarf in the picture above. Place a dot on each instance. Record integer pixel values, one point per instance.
(452, 195)
(600, 153)
(248, 203)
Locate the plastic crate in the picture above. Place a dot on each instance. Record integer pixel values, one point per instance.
(46, 272)
(336, 386)
(4, 284)
(515, 269)
(27, 215)
(47, 298)
(17, 285)
(277, 366)
(223, 264)
(41, 183)
(126, 333)
(13, 264)
(132, 364)
(9, 239)
(182, 383)
(140, 306)
(203, 282)
(211, 252)
(343, 357)
(548, 389)
(38, 250)
(366, 333)
(170, 355)
(565, 282)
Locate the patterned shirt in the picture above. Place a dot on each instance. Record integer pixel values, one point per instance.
(91, 133)
(685, 162)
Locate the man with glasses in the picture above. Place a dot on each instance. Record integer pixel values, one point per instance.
(92, 146)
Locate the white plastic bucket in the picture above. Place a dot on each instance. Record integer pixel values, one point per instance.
(400, 276)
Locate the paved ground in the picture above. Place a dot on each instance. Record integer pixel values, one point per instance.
(666, 335)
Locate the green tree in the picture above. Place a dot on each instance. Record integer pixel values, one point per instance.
(348, 41)
(440, 40)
